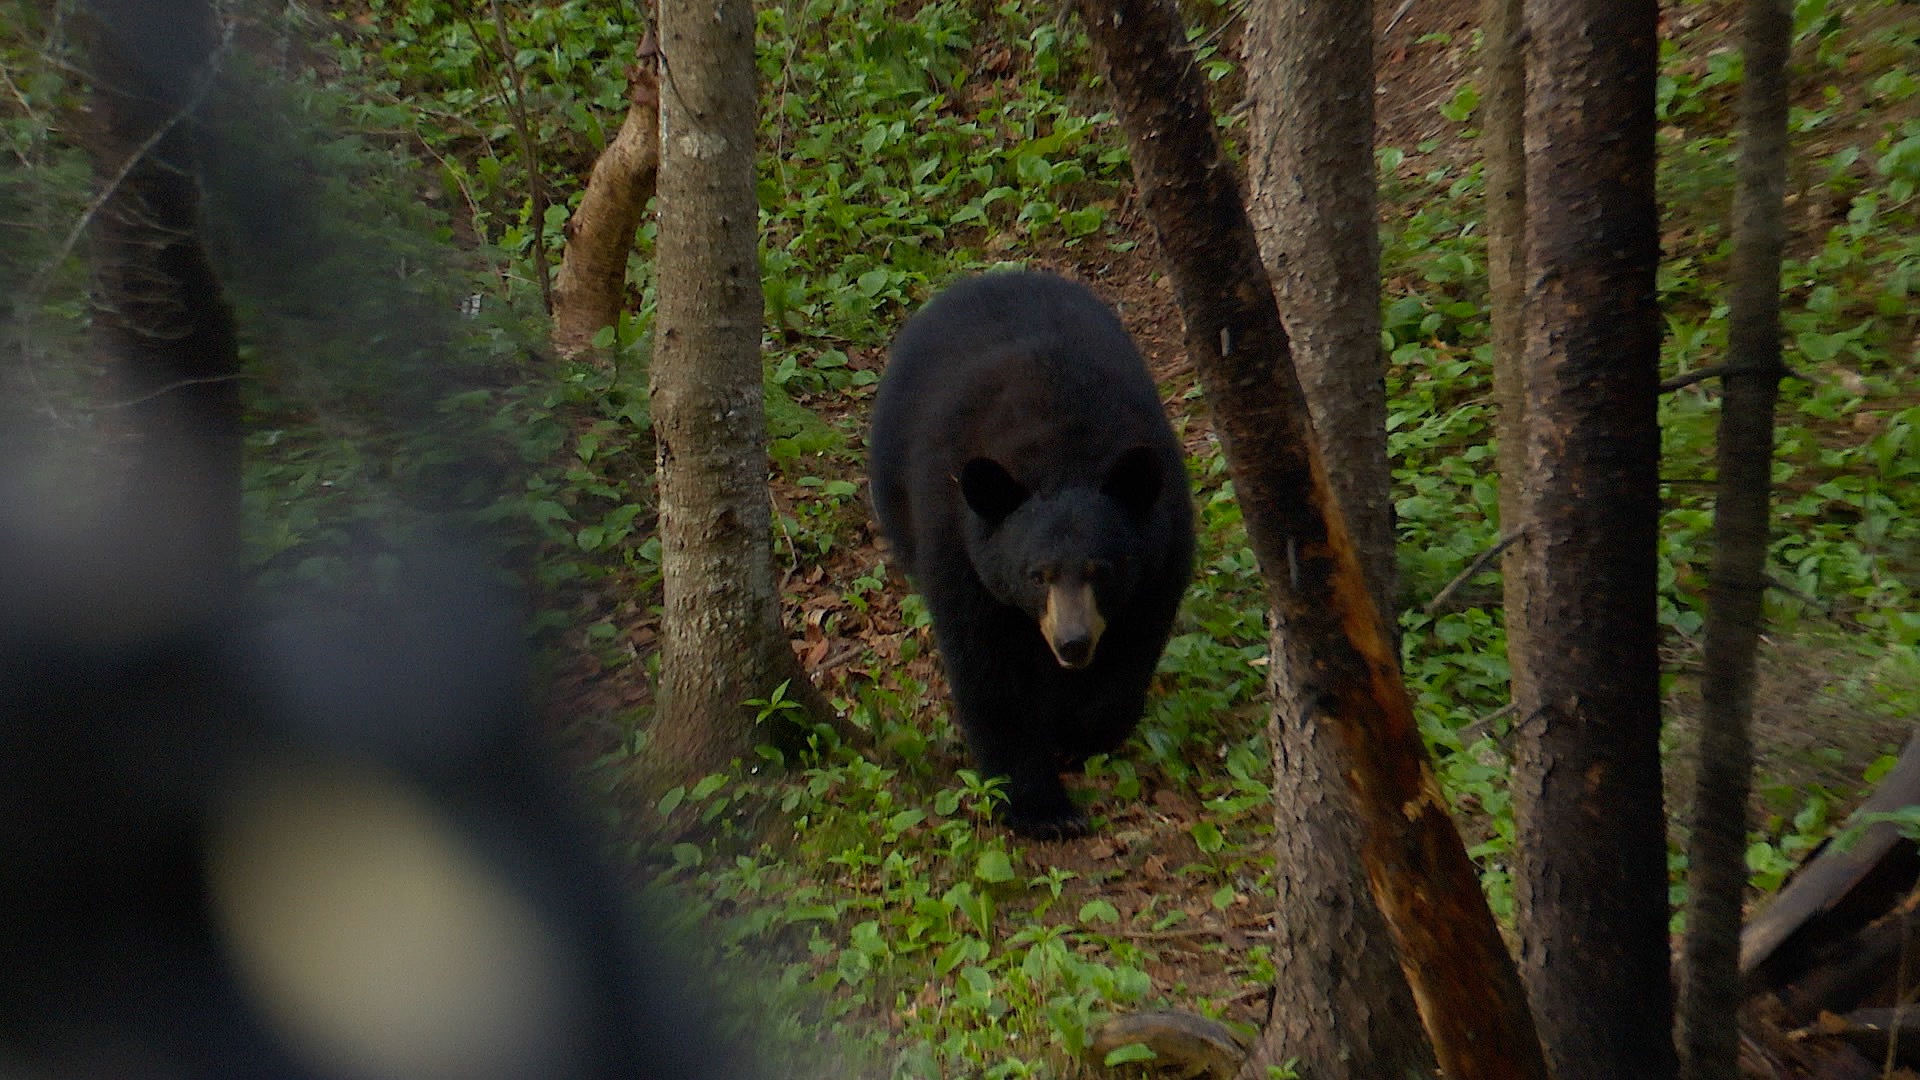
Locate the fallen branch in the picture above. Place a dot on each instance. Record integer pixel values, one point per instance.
(1889, 1036)
(1185, 1043)
(1834, 932)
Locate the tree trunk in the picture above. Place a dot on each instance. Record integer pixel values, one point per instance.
(1503, 152)
(1332, 640)
(591, 285)
(1312, 198)
(1717, 845)
(1310, 79)
(1353, 1017)
(159, 314)
(722, 641)
(1591, 866)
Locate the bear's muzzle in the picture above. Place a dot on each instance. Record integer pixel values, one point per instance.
(1072, 624)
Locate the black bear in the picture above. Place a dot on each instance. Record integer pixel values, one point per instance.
(1023, 469)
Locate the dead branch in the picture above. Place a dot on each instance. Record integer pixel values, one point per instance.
(1478, 564)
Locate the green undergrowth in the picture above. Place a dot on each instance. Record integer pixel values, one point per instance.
(888, 163)
(883, 906)
(861, 892)
(892, 915)
(1847, 548)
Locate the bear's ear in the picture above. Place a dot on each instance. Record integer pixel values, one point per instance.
(991, 490)
(1134, 480)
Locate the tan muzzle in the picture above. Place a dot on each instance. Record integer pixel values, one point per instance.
(1072, 624)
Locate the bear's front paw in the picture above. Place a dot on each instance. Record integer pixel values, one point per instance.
(1045, 821)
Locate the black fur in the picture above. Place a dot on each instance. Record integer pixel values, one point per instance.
(1018, 436)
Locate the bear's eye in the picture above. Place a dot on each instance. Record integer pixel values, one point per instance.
(1038, 576)
(1099, 571)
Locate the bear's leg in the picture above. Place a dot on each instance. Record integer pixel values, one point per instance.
(1010, 725)
(1038, 805)
(1103, 721)
(1112, 694)
(1007, 738)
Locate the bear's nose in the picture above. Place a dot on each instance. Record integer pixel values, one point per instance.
(1074, 652)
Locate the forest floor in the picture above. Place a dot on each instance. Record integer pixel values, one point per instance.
(1133, 862)
(1809, 734)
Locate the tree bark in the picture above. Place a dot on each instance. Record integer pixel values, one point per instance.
(1312, 199)
(1591, 867)
(1331, 637)
(722, 640)
(159, 313)
(1503, 153)
(1310, 80)
(1342, 1007)
(1716, 847)
(591, 285)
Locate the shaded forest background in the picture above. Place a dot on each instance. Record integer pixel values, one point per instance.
(399, 377)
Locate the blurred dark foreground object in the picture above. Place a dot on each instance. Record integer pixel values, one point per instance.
(303, 836)
(310, 839)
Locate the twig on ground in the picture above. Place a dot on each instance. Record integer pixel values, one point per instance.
(1405, 6)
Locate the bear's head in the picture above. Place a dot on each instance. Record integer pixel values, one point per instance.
(1070, 557)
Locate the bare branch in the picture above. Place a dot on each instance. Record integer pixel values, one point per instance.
(36, 288)
(1715, 371)
(1405, 6)
(536, 183)
(170, 388)
(1478, 564)
(1808, 599)
(27, 108)
(1485, 723)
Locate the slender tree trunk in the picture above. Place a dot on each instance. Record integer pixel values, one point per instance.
(159, 313)
(722, 641)
(591, 285)
(1331, 638)
(1716, 850)
(529, 153)
(1310, 79)
(1503, 151)
(1591, 871)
